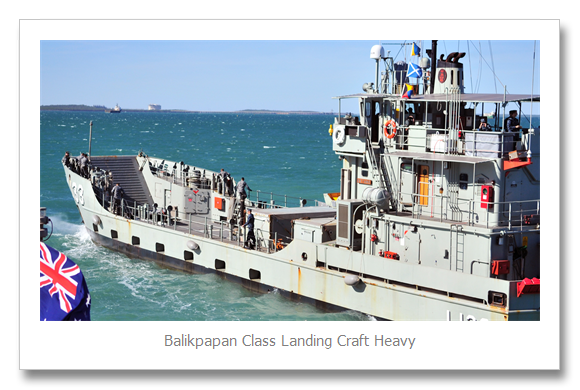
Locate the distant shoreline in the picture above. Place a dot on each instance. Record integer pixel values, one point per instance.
(84, 108)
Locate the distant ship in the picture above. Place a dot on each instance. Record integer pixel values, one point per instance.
(490, 114)
(115, 110)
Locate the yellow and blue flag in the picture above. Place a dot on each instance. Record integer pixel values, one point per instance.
(416, 50)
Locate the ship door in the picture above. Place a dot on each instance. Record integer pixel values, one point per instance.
(513, 192)
(412, 246)
(375, 121)
(345, 184)
(423, 185)
(407, 182)
(202, 203)
(372, 112)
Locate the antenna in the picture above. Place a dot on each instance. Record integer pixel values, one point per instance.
(377, 52)
(532, 96)
(90, 139)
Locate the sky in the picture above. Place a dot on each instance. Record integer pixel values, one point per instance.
(231, 75)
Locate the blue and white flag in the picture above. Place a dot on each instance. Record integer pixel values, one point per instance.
(64, 295)
(414, 71)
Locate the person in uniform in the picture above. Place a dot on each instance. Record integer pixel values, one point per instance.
(66, 159)
(250, 238)
(117, 193)
(512, 124)
(83, 161)
(484, 126)
(225, 182)
(241, 189)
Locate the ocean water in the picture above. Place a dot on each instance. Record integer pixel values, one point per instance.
(283, 154)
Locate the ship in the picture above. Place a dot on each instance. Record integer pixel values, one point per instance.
(434, 221)
(115, 110)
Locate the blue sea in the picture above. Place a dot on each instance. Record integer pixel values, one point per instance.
(283, 154)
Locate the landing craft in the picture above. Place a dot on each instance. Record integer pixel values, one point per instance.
(434, 220)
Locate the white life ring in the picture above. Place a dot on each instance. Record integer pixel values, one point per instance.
(339, 136)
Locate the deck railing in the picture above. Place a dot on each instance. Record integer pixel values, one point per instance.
(447, 208)
(487, 144)
(205, 226)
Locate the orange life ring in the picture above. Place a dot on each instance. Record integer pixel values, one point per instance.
(393, 126)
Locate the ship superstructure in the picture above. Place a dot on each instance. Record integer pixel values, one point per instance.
(434, 220)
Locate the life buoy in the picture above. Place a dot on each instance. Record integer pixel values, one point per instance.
(339, 136)
(393, 125)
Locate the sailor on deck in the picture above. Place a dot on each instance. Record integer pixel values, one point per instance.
(483, 126)
(250, 238)
(225, 181)
(84, 162)
(66, 159)
(512, 124)
(241, 189)
(117, 193)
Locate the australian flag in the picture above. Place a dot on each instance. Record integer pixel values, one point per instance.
(64, 295)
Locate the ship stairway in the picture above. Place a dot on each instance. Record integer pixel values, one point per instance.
(238, 214)
(379, 170)
(126, 172)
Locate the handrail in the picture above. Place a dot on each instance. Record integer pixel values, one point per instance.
(271, 200)
(169, 221)
(526, 208)
(455, 145)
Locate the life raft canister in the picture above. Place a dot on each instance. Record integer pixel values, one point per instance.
(393, 125)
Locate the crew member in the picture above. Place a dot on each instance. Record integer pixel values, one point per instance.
(484, 126)
(117, 193)
(512, 124)
(250, 238)
(226, 180)
(66, 159)
(241, 189)
(83, 161)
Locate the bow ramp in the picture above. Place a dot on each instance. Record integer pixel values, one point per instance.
(126, 172)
